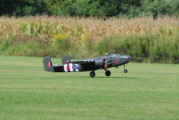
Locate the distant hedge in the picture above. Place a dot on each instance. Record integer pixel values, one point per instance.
(146, 48)
(154, 48)
(87, 8)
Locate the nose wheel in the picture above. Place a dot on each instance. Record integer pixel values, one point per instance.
(92, 74)
(125, 70)
(107, 73)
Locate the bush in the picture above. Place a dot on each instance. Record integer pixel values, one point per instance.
(154, 48)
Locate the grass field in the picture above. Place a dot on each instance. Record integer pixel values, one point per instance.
(147, 92)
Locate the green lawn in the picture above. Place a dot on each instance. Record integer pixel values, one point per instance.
(147, 92)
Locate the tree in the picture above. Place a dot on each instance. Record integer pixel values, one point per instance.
(24, 7)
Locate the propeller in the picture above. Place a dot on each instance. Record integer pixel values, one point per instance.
(105, 64)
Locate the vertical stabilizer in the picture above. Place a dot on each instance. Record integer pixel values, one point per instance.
(48, 66)
(65, 60)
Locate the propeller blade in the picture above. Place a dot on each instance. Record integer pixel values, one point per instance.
(105, 64)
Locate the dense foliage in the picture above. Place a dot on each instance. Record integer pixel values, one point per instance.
(145, 39)
(99, 8)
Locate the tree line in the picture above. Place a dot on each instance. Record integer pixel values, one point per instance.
(90, 8)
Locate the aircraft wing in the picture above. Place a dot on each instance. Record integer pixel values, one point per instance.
(83, 62)
(58, 68)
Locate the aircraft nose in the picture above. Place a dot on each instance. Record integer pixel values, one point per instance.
(126, 58)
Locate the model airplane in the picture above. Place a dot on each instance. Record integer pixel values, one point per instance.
(103, 62)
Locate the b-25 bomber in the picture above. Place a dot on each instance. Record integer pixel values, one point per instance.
(102, 62)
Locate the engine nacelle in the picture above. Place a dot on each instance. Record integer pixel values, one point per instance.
(100, 63)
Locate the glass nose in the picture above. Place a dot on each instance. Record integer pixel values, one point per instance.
(126, 58)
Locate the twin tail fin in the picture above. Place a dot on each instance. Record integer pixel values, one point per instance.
(48, 66)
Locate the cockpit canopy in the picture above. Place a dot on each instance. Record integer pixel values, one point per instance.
(106, 54)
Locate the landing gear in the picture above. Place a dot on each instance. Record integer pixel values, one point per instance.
(125, 70)
(107, 73)
(92, 74)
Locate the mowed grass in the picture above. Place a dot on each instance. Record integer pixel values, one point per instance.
(147, 92)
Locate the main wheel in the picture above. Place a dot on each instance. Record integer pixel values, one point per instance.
(125, 71)
(92, 74)
(108, 73)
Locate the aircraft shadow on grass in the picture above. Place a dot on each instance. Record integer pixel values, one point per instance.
(109, 77)
(97, 78)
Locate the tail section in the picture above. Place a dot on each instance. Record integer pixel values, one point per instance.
(65, 60)
(48, 66)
